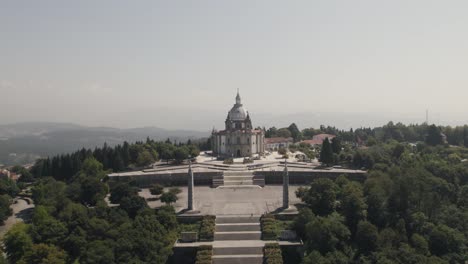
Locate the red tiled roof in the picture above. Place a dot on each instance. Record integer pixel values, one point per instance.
(324, 136)
(312, 141)
(318, 139)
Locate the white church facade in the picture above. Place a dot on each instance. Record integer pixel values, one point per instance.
(238, 139)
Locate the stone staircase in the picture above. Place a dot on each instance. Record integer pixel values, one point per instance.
(238, 240)
(239, 179)
(218, 180)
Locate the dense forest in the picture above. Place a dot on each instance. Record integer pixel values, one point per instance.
(118, 158)
(399, 132)
(72, 223)
(412, 208)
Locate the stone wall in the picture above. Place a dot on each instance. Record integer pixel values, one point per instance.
(206, 178)
(169, 179)
(306, 177)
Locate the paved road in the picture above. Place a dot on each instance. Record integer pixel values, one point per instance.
(231, 201)
(21, 211)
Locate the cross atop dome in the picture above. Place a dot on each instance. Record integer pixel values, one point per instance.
(238, 98)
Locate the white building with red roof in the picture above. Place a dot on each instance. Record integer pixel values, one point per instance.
(318, 139)
(275, 143)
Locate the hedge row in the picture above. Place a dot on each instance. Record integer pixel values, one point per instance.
(228, 161)
(272, 254)
(268, 224)
(204, 254)
(207, 228)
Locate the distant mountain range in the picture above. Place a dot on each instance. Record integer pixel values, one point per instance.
(22, 143)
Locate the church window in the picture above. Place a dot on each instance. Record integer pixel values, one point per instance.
(238, 140)
(248, 140)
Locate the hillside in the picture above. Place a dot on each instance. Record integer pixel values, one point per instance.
(24, 142)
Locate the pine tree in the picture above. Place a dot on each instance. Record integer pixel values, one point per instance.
(465, 136)
(434, 136)
(326, 154)
(125, 154)
(295, 132)
(336, 145)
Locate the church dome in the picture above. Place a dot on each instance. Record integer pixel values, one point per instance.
(237, 112)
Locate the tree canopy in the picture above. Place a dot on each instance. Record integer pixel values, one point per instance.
(72, 223)
(412, 208)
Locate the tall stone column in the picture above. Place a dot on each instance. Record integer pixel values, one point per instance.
(285, 186)
(190, 187)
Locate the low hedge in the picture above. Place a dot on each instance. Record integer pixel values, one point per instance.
(272, 254)
(204, 254)
(207, 228)
(269, 227)
(247, 161)
(228, 161)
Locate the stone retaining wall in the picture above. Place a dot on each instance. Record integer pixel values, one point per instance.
(169, 179)
(206, 178)
(306, 177)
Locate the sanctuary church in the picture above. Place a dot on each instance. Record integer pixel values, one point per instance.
(239, 139)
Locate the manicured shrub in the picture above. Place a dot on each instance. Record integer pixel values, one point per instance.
(228, 161)
(272, 254)
(175, 190)
(269, 227)
(248, 160)
(207, 228)
(205, 247)
(204, 254)
(156, 189)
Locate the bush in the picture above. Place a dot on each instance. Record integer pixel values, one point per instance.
(282, 151)
(228, 161)
(204, 254)
(156, 189)
(207, 228)
(205, 247)
(272, 254)
(5, 210)
(269, 227)
(175, 190)
(248, 160)
(168, 198)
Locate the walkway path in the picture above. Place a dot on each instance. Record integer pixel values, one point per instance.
(21, 211)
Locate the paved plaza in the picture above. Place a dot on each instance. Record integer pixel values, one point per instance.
(235, 201)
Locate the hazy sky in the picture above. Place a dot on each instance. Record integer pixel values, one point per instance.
(177, 64)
